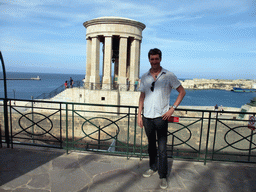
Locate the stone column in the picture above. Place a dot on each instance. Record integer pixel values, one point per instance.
(134, 62)
(122, 63)
(106, 80)
(88, 62)
(95, 62)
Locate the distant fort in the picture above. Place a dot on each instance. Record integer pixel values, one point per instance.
(218, 84)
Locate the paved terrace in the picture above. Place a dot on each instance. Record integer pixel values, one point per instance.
(32, 169)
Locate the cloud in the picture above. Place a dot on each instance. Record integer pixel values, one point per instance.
(66, 14)
(243, 25)
(211, 7)
(41, 12)
(19, 45)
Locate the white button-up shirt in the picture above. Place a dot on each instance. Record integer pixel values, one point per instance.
(156, 103)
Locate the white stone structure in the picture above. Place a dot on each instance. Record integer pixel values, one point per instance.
(121, 38)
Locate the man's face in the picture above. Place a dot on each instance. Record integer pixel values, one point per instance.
(154, 61)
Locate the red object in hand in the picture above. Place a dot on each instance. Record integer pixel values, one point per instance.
(173, 119)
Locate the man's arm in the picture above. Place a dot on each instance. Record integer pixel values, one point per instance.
(141, 103)
(181, 95)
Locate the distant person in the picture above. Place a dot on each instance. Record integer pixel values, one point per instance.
(66, 84)
(127, 84)
(221, 109)
(156, 86)
(71, 82)
(216, 108)
(136, 84)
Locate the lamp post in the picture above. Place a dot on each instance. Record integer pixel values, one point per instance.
(5, 104)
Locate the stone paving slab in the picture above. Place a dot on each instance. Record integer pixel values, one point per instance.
(33, 169)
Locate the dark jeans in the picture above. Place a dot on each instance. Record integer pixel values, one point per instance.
(157, 127)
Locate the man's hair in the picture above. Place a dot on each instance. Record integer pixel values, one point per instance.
(155, 51)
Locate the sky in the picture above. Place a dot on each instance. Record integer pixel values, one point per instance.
(209, 39)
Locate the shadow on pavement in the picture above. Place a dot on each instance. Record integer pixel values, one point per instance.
(19, 161)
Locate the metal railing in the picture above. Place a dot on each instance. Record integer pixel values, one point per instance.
(58, 90)
(201, 135)
(91, 86)
(112, 86)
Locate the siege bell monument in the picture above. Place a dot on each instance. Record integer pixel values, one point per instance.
(114, 44)
(121, 39)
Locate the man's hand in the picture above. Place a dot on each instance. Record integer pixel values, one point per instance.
(140, 122)
(141, 103)
(168, 114)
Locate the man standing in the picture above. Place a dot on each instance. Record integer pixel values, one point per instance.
(155, 88)
(71, 82)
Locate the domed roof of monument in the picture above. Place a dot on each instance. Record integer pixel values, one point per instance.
(114, 20)
(113, 17)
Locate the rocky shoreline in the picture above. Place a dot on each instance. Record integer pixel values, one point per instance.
(218, 84)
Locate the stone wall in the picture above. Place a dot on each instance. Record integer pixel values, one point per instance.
(104, 97)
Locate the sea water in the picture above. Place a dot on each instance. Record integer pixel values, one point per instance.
(25, 89)
(212, 97)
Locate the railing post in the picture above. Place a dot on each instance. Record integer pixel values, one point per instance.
(128, 135)
(135, 125)
(201, 134)
(214, 136)
(207, 138)
(66, 128)
(32, 110)
(135, 133)
(60, 126)
(250, 147)
(172, 145)
(99, 138)
(141, 143)
(73, 125)
(10, 115)
(0, 135)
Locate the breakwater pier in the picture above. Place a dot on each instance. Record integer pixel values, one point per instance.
(32, 78)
